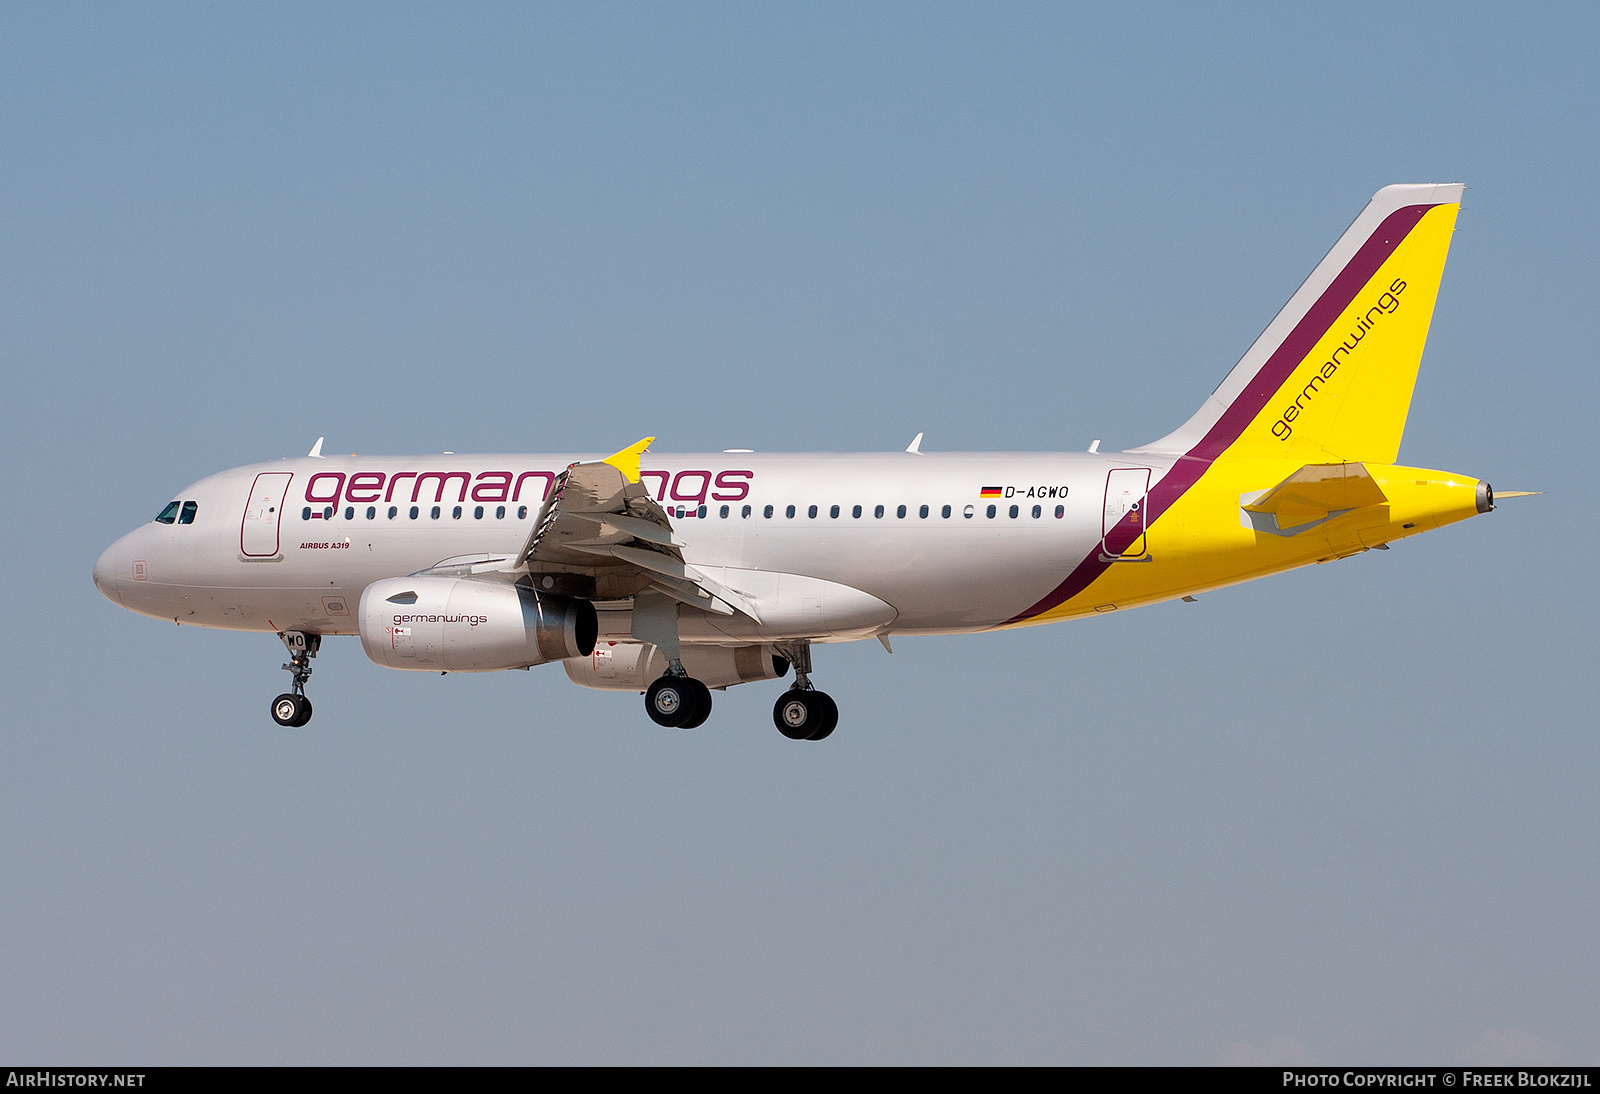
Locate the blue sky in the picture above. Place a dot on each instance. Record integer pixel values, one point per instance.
(1345, 814)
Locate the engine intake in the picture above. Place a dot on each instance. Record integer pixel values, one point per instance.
(452, 624)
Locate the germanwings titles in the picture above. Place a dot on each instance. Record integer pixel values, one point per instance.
(677, 575)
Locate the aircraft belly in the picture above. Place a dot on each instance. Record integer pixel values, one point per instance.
(985, 573)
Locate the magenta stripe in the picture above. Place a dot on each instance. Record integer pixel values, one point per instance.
(1248, 403)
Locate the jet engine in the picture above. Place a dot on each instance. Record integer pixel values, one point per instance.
(634, 666)
(452, 624)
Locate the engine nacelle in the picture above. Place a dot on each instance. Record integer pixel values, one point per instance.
(453, 624)
(634, 666)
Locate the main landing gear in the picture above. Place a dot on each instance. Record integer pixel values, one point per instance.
(292, 708)
(677, 700)
(803, 713)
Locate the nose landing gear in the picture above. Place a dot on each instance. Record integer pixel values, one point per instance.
(292, 708)
(803, 713)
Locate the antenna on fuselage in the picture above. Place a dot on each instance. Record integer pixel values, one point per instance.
(915, 447)
(1095, 447)
(316, 449)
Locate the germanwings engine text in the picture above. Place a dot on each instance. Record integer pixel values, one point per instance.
(470, 620)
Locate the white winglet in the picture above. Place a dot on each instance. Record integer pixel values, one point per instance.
(316, 449)
(915, 447)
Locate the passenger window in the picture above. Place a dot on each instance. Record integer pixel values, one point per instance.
(901, 512)
(790, 511)
(923, 513)
(189, 510)
(1036, 512)
(327, 512)
(968, 512)
(946, 512)
(435, 513)
(500, 512)
(414, 512)
(372, 512)
(455, 514)
(394, 511)
(812, 512)
(701, 512)
(1013, 512)
(856, 512)
(1061, 511)
(522, 512)
(170, 513)
(745, 512)
(767, 512)
(991, 512)
(477, 512)
(349, 512)
(724, 512)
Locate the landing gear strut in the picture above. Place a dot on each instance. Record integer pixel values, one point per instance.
(677, 700)
(803, 713)
(292, 708)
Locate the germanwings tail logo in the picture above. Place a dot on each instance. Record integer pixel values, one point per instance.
(1348, 334)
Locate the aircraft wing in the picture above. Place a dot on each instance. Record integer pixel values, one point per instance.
(600, 520)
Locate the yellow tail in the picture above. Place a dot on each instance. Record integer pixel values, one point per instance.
(1330, 379)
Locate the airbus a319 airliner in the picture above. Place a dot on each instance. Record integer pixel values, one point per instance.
(677, 575)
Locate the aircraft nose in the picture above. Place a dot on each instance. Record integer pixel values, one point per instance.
(108, 573)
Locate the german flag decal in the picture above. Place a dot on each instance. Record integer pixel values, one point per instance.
(989, 492)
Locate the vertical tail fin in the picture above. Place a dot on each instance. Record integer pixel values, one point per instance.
(1331, 377)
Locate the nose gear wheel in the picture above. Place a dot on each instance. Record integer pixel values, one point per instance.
(292, 708)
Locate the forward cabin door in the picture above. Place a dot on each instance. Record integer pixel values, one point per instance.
(1122, 529)
(258, 535)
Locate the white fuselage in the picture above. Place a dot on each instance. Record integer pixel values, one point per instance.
(277, 569)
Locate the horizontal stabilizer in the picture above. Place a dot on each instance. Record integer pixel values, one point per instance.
(1317, 491)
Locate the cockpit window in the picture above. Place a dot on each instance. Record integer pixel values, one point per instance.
(189, 510)
(169, 514)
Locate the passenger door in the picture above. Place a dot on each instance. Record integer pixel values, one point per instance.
(258, 534)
